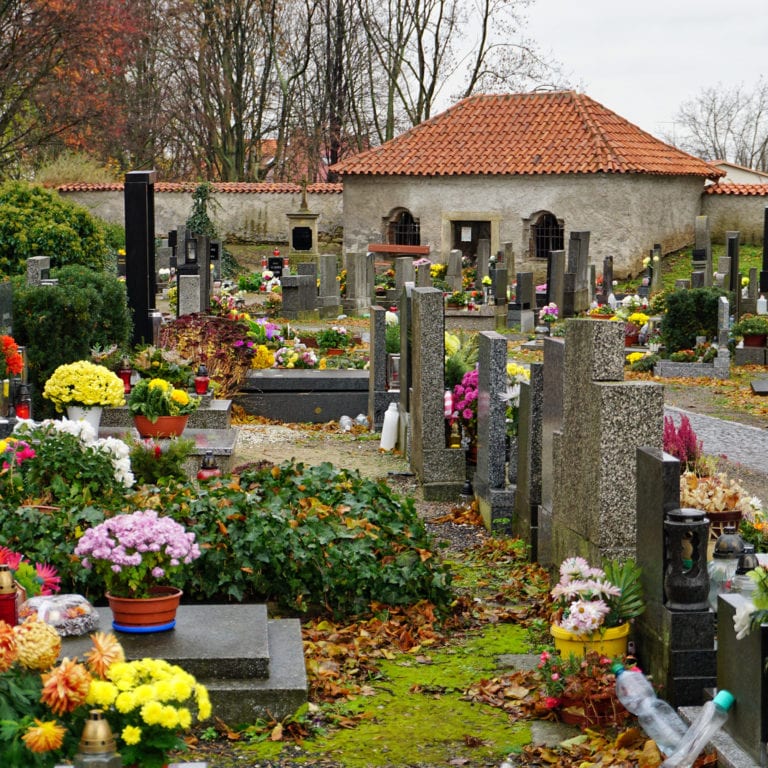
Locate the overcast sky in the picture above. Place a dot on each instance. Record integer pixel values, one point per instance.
(643, 58)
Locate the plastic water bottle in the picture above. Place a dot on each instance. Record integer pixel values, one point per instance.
(710, 719)
(657, 718)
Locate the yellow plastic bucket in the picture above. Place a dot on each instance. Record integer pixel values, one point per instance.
(611, 642)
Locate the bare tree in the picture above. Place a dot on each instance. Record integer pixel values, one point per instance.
(726, 124)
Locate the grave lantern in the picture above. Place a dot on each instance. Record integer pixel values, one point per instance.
(190, 250)
(97, 744)
(202, 380)
(729, 547)
(686, 583)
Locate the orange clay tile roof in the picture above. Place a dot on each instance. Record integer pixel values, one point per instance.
(236, 187)
(528, 133)
(736, 189)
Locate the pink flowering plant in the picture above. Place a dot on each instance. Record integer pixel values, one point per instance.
(465, 402)
(134, 552)
(588, 599)
(549, 313)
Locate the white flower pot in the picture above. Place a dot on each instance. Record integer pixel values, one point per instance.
(92, 415)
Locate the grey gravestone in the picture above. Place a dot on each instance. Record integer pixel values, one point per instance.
(604, 417)
(329, 292)
(453, 272)
(38, 269)
(749, 302)
(378, 396)
(723, 274)
(760, 387)
(578, 263)
(723, 321)
(404, 272)
(682, 285)
(483, 259)
(525, 293)
(734, 284)
(697, 279)
(556, 277)
(496, 501)
(607, 280)
(440, 470)
(307, 268)
(528, 492)
(423, 276)
(509, 258)
(500, 284)
(299, 296)
(188, 294)
(6, 308)
(703, 242)
(359, 281)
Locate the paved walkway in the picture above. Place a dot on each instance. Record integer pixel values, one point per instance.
(739, 443)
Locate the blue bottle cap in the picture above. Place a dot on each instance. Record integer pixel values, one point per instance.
(724, 700)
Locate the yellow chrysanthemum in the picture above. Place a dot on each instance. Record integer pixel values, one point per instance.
(105, 652)
(101, 693)
(203, 702)
(152, 713)
(65, 687)
(38, 644)
(125, 702)
(145, 693)
(169, 717)
(633, 357)
(44, 736)
(131, 734)
(180, 396)
(8, 649)
(160, 384)
(185, 718)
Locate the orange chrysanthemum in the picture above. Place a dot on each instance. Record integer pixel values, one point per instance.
(38, 644)
(106, 651)
(65, 687)
(44, 736)
(8, 650)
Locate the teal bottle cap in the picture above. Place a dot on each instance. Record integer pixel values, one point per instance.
(724, 700)
(617, 667)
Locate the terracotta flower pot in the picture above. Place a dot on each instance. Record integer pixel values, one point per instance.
(145, 614)
(754, 339)
(165, 426)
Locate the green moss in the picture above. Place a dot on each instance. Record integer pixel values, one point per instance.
(417, 714)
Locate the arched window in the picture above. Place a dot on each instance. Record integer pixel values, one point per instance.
(546, 235)
(403, 229)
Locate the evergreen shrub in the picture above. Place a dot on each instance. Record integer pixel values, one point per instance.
(689, 313)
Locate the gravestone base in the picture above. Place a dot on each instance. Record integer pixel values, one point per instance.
(680, 647)
(253, 667)
(328, 310)
(497, 508)
(666, 369)
(750, 356)
(446, 468)
(524, 319)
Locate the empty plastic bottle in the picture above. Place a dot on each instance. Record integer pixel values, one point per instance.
(709, 720)
(657, 718)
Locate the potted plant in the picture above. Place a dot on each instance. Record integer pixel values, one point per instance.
(548, 314)
(465, 408)
(84, 388)
(457, 299)
(159, 409)
(632, 327)
(752, 328)
(593, 606)
(157, 363)
(134, 554)
(602, 312)
(336, 337)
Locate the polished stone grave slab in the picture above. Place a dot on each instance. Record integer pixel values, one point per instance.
(252, 666)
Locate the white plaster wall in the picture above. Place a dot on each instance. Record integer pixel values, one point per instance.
(735, 213)
(625, 214)
(247, 216)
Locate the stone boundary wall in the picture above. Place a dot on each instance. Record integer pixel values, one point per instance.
(243, 212)
(737, 208)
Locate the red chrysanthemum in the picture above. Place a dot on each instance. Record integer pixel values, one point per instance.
(14, 362)
(50, 578)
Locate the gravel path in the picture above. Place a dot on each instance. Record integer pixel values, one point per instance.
(738, 443)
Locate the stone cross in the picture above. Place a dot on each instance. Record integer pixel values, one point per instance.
(702, 249)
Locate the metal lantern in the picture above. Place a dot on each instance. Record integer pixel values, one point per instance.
(97, 744)
(729, 547)
(686, 583)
